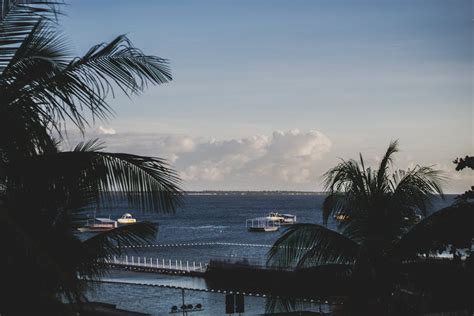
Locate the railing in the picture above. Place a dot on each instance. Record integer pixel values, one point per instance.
(155, 263)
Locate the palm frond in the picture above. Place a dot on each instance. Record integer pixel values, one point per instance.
(87, 81)
(95, 251)
(146, 182)
(128, 67)
(371, 198)
(305, 245)
(27, 80)
(79, 179)
(22, 133)
(42, 87)
(278, 305)
(90, 146)
(17, 19)
(349, 194)
(42, 53)
(450, 226)
(43, 71)
(334, 204)
(347, 176)
(384, 164)
(110, 243)
(415, 189)
(35, 246)
(24, 123)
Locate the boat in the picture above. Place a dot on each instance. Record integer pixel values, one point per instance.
(414, 220)
(282, 219)
(98, 225)
(261, 224)
(341, 217)
(126, 218)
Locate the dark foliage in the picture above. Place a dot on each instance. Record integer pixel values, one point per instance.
(462, 163)
(45, 192)
(466, 162)
(377, 233)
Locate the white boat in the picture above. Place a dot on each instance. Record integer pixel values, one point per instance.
(98, 225)
(261, 224)
(126, 218)
(341, 217)
(282, 219)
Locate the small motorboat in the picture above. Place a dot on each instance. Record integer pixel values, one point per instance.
(262, 224)
(282, 219)
(126, 218)
(98, 225)
(341, 217)
(414, 220)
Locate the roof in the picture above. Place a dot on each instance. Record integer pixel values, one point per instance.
(260, 219)
(105, 220)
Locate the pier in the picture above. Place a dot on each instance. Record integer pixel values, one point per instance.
(156, 265)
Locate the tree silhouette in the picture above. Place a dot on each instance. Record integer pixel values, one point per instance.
(377, 232)
(45, 193)
(462, 163)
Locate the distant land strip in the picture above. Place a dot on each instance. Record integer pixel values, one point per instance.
(219, 192)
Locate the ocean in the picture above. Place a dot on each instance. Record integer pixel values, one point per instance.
(209, 226)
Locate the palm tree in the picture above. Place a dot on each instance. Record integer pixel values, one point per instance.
(376, 209)
(45, 192)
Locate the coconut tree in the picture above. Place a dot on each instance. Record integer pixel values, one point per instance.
(44, 192)
(375, 208)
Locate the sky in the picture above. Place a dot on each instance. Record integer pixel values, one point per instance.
(270, 94)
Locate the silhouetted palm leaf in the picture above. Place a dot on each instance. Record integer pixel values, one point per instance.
(82, 178)
(450, 226)
(376, 210)
(386, 161)
(414, 189)
(43, 192)
(305, 245)
(107, 244)
(283, 305)
(17, 20)
(371, 199)
(110, 243)
(43, 71)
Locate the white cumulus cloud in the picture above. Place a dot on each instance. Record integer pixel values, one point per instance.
(286, 160)
(106, 130)
(285, 156)
(275, 161)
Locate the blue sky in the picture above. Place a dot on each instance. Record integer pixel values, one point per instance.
(268, 94)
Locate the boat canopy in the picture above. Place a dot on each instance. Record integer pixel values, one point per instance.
(105, 220)
(261, 221)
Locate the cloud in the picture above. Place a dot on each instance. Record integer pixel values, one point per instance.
(106, 131)
(283, 157)
(282, 160)
(275, 161)
(146, 144)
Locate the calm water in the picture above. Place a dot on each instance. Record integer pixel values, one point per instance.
(205, 219)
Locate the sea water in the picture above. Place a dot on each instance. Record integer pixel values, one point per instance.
(208, 227)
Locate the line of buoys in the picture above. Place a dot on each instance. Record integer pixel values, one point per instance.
(213, 244)
(199, 244)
